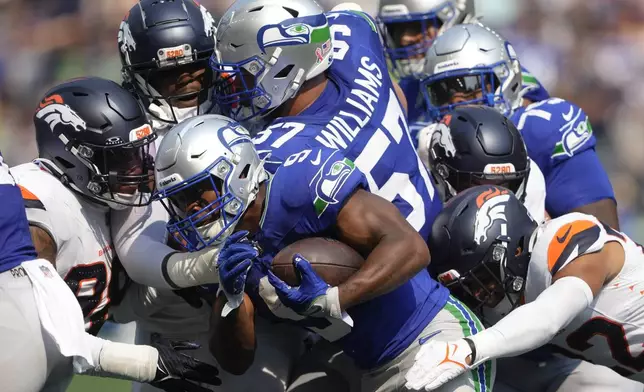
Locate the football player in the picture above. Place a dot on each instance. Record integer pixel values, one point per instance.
(409, 27)
(321, 82)
(471, 64)
(572, 281)
(475, 145)
(164, 48)
(94, 155)
(213, 182)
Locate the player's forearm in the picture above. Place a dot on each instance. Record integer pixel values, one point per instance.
(395, 260)
(152, 263)
(532, 325)
(232, 340)
(120, 360)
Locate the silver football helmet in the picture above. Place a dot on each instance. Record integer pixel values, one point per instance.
(207, 153)
(409, 27)
(470, 64)
(266, 50)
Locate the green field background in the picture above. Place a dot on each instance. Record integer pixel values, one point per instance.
(98, 384)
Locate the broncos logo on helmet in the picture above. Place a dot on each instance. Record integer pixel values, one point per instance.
(491, 207)
(54, 112)
(126, 40)
(442, 137)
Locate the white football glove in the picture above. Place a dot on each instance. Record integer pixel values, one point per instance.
(437, 363)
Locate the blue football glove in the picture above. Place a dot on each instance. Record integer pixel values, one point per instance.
(313, 297)
(233, 264)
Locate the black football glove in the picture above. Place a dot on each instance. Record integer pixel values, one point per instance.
(177, 372)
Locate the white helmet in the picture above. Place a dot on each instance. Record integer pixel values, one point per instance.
(207, 152)
(470, 58)
(266, 50)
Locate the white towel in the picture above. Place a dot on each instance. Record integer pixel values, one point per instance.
(60, 314)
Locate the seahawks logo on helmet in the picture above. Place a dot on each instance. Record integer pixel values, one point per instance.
(295, 31)
(53, 111)
(233, 134)
(491, 207)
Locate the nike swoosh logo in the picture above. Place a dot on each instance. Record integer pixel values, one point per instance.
(568, 115)
(562, 239)
(425, 338)
(316, 161)
(236, 46)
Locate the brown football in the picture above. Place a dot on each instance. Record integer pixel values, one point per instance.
(333, 260)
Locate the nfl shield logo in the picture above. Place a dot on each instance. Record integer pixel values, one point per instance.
(46, 271)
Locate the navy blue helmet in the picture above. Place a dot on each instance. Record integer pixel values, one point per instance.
(477, 145)
(480, 245)
(94, 135)
(164, 47)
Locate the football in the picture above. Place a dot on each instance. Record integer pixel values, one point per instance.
(334, 261)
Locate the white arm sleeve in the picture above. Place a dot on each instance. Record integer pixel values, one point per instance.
(534, 324)
(139, 235)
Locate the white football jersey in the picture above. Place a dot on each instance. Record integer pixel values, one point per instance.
(610, 331)
(535, 193)
(81, 232)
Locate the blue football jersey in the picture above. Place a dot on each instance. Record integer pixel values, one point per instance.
(416, 107)
(303, 199)
(537, 92)
(359, 113)
(560, 140)
(15, 240)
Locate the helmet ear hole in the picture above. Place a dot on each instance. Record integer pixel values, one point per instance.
(244, 173)
(65, 163)
(284, 72)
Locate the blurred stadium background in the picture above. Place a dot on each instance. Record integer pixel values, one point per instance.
(588, 51)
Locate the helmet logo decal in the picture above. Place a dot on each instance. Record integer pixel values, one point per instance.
(491, 207)
(329, 181)
(141, 132)
(233, 135)
(295, 31)
(442, 137)
(210, 28)
(126, 40)
(54, 112)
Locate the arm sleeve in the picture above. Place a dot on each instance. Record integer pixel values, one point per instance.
(575, 182)
(139, 238)
(532, 325)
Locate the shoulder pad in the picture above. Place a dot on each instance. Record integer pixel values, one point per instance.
(555, 128)
(352, 16)
(562, 240)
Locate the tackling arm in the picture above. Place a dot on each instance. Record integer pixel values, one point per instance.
(139, 242)
(396, 252)
(536, 323)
